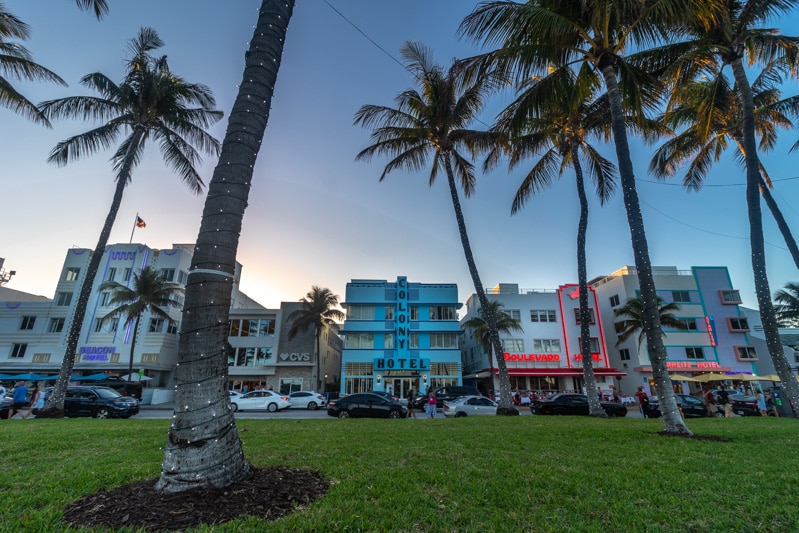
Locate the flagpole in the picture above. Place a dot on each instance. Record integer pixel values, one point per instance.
(135, 220)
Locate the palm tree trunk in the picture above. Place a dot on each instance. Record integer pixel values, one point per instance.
(318, 356)
(753, 179)
(595, 407)
(54, 405)
(203, 448)
(672, 420)
(133, 346)
(505, 399)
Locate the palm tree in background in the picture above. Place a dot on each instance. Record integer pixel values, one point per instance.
(434, 122)
(479, 326)
(632, 314)
(787, 307)
(150, 102)
(709, 110)
(551, 121)
(536, 35)
(203, 431)
(150, 293)
(319, 310)
(100, 7)
(17, 62)
(734, 36)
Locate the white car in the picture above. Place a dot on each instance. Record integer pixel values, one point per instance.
(259, 400)
(305, 399)
(470, 406)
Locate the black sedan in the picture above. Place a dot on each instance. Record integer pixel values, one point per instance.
(366, 405)
(691, 406)
(747, 406)
(572, 404)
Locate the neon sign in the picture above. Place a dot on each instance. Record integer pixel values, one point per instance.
(594, 357)
(692, 364)
(401, 363)
(711, 329)
(532, 357)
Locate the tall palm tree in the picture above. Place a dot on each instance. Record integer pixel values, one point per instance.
(734, 37)
(710, 111)
(150, 102)
(203, 434)
(632, 314)
(787, 307)
(434, 122)
(100, 7)
(479, 325)
(535, 35)
(150, 292)
(17, 62)
(319, 309)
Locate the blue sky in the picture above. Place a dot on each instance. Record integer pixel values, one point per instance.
(315, 216)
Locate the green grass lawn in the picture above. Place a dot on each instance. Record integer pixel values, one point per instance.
(521, 474)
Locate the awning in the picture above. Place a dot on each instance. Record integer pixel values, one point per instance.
(561, 372)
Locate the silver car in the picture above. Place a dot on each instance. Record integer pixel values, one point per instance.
(470, 406)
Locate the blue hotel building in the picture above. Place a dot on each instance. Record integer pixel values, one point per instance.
(400, 336)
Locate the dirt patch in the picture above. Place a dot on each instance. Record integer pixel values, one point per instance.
(695, 437)
(269, 494)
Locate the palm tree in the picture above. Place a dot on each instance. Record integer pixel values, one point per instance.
(734, 37)
(203, 431)
(100, 7)
(479, 325)
(535, 35)
(632, 313)
(150, 292)
(788, 305)
(434, 122)
(151, 101)
(711, 113)
(318, 311)
(17, 62)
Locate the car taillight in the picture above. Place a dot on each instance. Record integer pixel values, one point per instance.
(332, 403)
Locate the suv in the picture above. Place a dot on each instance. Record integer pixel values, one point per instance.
(122, 386)
(98, 402)
(445, 394)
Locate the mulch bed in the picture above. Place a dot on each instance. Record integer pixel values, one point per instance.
(269, 494)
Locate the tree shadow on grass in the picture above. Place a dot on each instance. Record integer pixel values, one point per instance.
(268, 494)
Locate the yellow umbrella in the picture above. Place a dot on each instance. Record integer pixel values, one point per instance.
(704, 378)
(682, 377)
(770, 377)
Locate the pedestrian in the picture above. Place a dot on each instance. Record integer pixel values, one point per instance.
(20, 400)
(432, 404)
(37, 401)
(411, 411)
(724, 398)
(643, 401)
(770, 405)
(761, 404)
(711, 403)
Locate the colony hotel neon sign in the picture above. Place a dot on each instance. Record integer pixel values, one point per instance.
(402, 321)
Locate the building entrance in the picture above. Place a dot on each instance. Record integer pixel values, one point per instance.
(400, 387)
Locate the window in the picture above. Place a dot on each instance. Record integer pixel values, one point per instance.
(18, 350)
(172, 328)
(27, 322)
(730, 297)
(624, 354)
(156, 325)
(126, 274)
(513, 345)
(360, 312)
(414, 312)
(443, 312)
(680, 296)
(746, 353)
(577, 316)
(359, 340)
(56, 325)
(738, 323)
(689, 324)
(413, 343)
(98, 325)
(443, 340)
(543, 315)
(105, 299)
(514, 314)
(112, 273)
(168, 274)
(389, 310)
(63, 299)
(251, 327)
(593, 344)
(183, 277)
(614, 300)
(546, 345)
(113, 323)
(71, 274)
(388, 341)
(694, 352)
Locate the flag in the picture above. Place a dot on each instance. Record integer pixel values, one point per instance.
(140, 222)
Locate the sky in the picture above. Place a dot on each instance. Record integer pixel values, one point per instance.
(315, 215)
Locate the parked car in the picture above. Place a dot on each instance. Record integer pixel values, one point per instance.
(5, 405)
(234, 394)
(747, 406)
(691, 406)
(385, 394)
(305, 399)
(366, 405)
(470, 406)
(733, 394)
(259, 400)
(445, 394)
(572, 404)
(123, 386)
(98, 402)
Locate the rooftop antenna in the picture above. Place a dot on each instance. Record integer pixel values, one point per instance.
(5, 276)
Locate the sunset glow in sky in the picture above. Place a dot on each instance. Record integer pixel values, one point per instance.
(315, 216)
